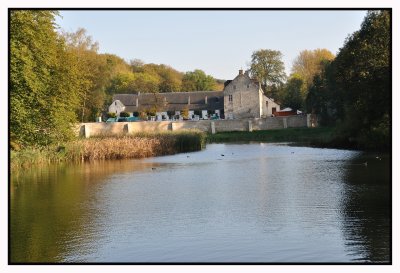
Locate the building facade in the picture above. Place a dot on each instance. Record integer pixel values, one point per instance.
(244, 98)
(241, 98)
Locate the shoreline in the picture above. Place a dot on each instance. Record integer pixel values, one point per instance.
(138, 145)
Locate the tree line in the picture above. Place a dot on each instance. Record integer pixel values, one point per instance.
(351, 91)
(59, 78)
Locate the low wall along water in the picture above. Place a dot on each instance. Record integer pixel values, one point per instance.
(211, 126)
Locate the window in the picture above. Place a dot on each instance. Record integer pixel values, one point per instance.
(248, 86)
(230, 98)
(115, 103)
(234, 87)
(266, 103)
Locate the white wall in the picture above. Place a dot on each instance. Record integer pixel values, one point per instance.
(116, 107)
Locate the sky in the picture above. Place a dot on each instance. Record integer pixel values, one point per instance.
(219, 42)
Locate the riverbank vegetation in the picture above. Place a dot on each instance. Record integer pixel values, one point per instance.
(138, 145)
(303, 135)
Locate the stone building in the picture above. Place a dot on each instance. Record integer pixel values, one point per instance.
(244, 98)
(241, 98)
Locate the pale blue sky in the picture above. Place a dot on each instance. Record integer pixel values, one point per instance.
(217, 42)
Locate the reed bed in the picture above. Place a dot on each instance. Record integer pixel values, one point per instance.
(138, 145)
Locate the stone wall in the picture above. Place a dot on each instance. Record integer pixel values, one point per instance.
(211, 126)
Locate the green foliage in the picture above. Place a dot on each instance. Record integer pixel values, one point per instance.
(45, 81)
(124, 114)
(355, 89)
(111, 115)
(197, 81)
(292, 96)
(304, 135)
(97, 70)
(268, 68)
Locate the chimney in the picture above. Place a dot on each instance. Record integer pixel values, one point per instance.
(205, 100)
(189, 100)
(240, 71)
(137, 102)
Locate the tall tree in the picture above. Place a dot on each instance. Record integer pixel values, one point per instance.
(292, 93)
(363, 77)
(355, 88)
(44, 80)
(97, 70)
(268, 68)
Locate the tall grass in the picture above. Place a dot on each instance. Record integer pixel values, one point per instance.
(137, 145)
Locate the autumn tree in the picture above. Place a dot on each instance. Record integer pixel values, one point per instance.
(268, 68)
(310, 63)
(197, 80)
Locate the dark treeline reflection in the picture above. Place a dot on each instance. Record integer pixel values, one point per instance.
(366, 208)
(51, 209)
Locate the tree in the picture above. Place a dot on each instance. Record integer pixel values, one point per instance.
(310, 63)
(145, 83)
(93, 68)
(292, 93)
(121, 83)
(268, 68)
(197, 81)
(45, 81)
(363, 77)
(171, 80)
(355, 88)
(319, 97)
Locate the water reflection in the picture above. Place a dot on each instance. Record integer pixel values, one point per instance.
(366, 208)
(53, 209)
(229, 203)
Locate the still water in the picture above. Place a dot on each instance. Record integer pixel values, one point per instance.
(252, 202)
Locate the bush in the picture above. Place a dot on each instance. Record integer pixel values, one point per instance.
(124, 114)
(111, 115)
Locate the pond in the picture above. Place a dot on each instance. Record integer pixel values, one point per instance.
(244, 203)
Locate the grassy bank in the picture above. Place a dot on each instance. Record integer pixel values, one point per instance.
(111, 147)
(321, 135)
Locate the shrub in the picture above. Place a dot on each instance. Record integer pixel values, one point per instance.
(124, 114)
(111, 115)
